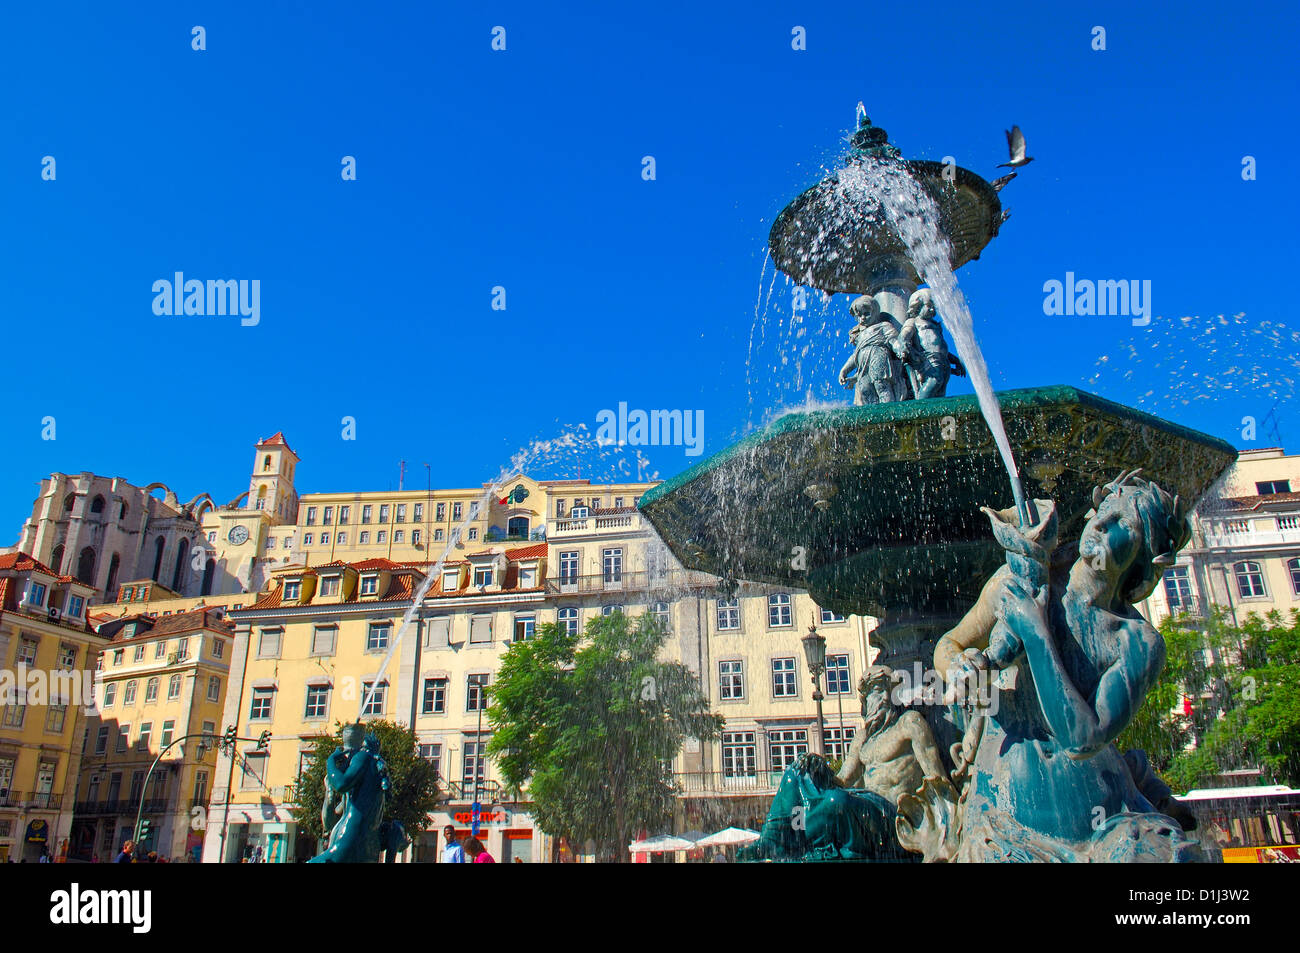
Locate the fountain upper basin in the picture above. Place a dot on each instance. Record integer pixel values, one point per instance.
(876, 507)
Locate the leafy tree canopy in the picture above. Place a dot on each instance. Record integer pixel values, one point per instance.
(415, 789)
(591, 725)
(1242, 686)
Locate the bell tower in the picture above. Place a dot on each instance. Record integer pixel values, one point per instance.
(271, 487)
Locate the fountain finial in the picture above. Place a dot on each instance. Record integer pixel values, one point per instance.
(871, 140)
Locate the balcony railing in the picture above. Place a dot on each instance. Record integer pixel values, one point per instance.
(1250, 538)
(600, 582)
(613, 523)
(124, 806)
(34, 801)
(464, 791)
(1195, 608)
(754, 782)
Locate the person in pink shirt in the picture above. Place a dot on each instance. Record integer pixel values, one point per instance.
(477, 852)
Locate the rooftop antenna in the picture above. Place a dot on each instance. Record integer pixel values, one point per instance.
(401, 474)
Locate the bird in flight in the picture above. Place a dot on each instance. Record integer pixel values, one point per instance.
(1016, 146)
(999, 183)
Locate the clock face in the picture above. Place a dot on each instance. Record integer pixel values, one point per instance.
(238, 535)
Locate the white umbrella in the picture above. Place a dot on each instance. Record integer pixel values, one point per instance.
(660, 844)
(728, 838)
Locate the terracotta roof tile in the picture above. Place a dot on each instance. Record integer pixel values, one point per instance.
(22, 562)
(193, 621)
(277, 440)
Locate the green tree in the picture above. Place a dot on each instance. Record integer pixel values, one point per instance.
(1244, 685)
(591, 725)
(415, 789)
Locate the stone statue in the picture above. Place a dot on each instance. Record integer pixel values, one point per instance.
(876, 374)
(356, 788)
(1074, 660)
(891, 800)
(894, 750)
(922, 349)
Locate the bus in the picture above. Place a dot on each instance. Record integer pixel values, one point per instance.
(1247, 825)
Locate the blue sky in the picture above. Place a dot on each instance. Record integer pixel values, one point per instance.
(522, 169)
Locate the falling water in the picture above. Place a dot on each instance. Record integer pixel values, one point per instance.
(912, 212)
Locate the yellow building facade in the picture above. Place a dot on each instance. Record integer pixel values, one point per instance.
(495, 563)
(47, 659)
(161, 678)
(1245, 551)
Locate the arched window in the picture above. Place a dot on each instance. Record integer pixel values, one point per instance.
(97, 505)
(517, 526)
(68, 501)
(110, 587)
(208, 571)
(266, 462)
(1250, 580)
(159, 545)
(261, 497)
(182, 555)
(121, 511)
(86, 566)
(1293, 567)
(56, 559)
(568, 620)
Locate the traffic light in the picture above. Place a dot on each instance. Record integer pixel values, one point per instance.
(263, 739)
(230, 736)
(145, 827)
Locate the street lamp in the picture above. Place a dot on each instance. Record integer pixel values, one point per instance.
(814, 652)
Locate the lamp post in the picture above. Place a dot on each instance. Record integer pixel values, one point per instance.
(814, 651)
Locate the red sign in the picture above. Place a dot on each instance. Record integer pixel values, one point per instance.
(484, 817)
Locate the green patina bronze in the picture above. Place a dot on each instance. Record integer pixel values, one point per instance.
(877, 507)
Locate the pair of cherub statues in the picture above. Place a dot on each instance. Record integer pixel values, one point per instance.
(890, 364)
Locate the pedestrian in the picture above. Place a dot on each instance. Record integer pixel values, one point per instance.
(125, 857)
(453, 852)
(477, 852)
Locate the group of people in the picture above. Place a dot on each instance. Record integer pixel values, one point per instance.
(131, 855)
(467, 851)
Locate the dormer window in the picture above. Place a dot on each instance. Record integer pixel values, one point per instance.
(74, 607)
(482, 576)
(369, 585)
(36, 594)
(527, 577)
(293, 590)
(329, 586)
(128, 593)
(578, 512)
(451, 580)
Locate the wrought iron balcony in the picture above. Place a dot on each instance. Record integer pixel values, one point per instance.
(464, 791)
(722, 783)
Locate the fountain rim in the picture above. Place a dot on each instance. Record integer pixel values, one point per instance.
(907, 410)
(925, 171)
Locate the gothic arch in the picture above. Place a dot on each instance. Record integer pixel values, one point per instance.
(159, 544)
(182, 557)
(86, 566)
